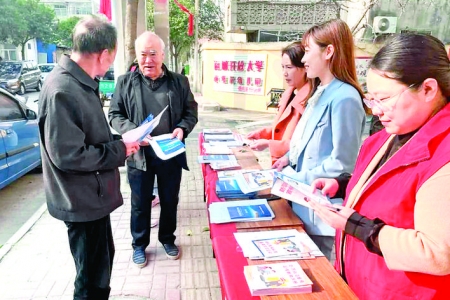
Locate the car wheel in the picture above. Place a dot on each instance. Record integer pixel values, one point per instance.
(39, 86)
(22, 90)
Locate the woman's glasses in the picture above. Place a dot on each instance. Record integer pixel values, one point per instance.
(382, 104)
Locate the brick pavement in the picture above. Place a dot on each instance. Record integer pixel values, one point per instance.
(39, 264)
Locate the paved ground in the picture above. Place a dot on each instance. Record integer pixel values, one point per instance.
(36, 263)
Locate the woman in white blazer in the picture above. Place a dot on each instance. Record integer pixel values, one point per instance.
(326, 141)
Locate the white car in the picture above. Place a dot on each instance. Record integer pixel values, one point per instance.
(45, 70)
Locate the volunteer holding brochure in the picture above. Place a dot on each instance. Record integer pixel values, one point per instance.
(394, 240)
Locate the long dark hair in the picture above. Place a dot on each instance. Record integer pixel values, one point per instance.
(411, 58)
(295, 52)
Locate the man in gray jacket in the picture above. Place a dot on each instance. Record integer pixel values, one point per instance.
(80, 157)
(149, 89)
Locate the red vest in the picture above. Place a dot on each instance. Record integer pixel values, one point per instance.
(390, 196)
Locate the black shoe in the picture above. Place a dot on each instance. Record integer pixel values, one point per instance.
(172, 251)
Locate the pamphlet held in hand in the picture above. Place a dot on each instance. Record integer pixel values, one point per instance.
(139, 133)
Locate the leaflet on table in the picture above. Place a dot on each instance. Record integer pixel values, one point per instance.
(139, 133)
(251, 181)
(231, 174)
(240, 211)
(217, 131)
(294, 190)
(166, 146)
(308, 249)
(282, 247)
(220, 149)
(277, 279)
(206, 159)
(225, 165)
(219, 137)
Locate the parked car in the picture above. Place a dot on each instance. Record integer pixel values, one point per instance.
(45, 70)
(20, 76)
(19, 139)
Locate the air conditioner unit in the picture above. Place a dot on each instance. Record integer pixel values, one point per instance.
(384, 24)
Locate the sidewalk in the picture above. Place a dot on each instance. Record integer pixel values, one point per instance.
(40, 266)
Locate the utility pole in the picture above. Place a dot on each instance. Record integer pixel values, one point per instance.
(195, 73)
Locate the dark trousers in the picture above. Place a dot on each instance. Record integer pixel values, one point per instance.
(168, 174)
(325, 244)
(92, 247)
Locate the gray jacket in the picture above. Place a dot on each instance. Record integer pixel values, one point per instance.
(126, 110)
(80, 158)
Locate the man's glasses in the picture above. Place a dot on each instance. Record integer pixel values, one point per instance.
(382, 104)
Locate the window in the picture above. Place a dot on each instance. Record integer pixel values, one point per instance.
(9, 109)
(60, 10)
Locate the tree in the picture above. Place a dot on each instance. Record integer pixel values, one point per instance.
(210, 26)
(31, 19)
(10, 15)
(63, 32)
(130, 30)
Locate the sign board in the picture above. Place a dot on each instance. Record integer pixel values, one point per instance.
(106, 86)
(362, 66)
(240, 73)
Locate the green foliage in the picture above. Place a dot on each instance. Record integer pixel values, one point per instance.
(211, 21)
(63, 32)
(26, 20)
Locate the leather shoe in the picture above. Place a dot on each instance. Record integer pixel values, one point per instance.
(172, 251)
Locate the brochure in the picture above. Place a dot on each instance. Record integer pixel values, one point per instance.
(252, 181)
(276, 240)
(240, 211)
(296, 191)
(289, 247)
(277, 279)
(205, 159)
(225, 165)
(217, 131)
(216, 149)
(166, 146)
(142, 131)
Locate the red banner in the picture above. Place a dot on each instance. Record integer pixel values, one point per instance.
(191, 17)
(105, 8)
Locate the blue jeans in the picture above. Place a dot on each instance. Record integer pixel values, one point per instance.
(168, 174)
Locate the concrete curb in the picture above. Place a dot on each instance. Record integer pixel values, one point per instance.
(22, 231)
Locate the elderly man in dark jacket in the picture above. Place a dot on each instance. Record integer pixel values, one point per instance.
(80, 158)
(148, 90)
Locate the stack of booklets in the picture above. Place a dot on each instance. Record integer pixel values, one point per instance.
(292, 189)
(224, 137)
(277, 279)
(229, 189)
(220, 162)
(289, 244)
(240, 211)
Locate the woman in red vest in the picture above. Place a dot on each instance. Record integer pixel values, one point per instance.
(394, 240)
(291, 106)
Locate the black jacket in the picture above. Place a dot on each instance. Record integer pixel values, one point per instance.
(80, 159)
(126, 110)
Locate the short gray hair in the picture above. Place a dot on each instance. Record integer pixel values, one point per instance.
(93, 35)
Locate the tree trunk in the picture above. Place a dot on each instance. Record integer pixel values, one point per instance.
(22, 50)
(130, 30)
